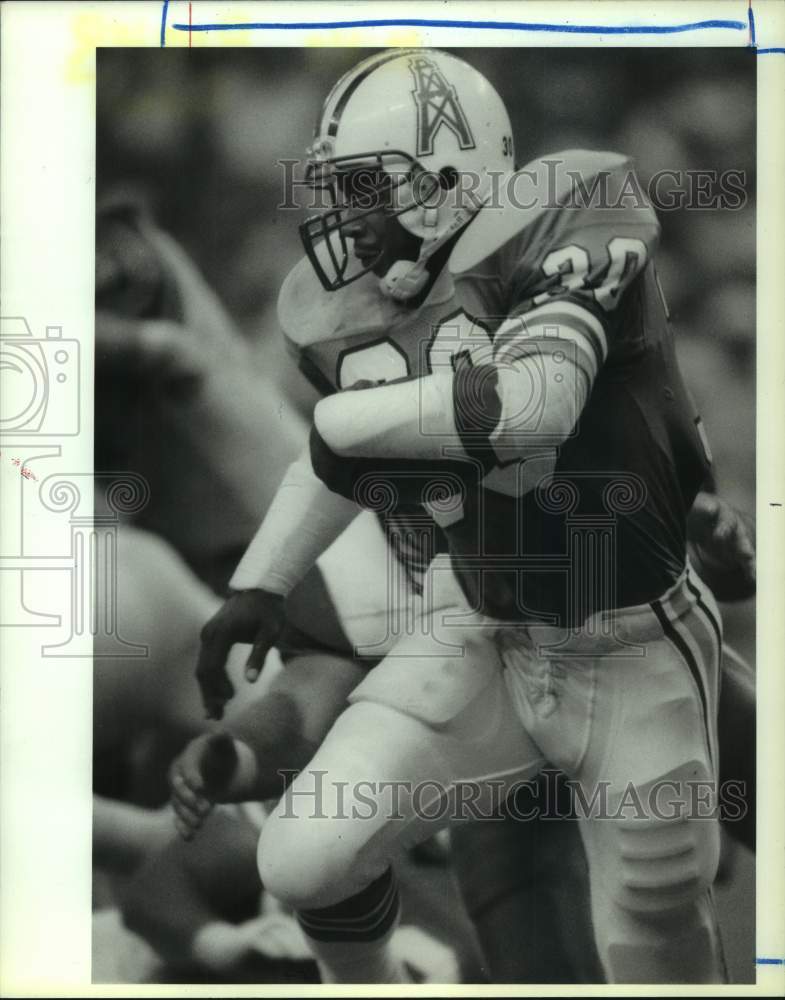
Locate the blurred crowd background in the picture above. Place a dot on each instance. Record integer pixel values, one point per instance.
(197, 135)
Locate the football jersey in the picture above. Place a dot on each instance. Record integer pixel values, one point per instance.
(597, 521)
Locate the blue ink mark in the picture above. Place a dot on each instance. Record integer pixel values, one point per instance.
(751, 20)
(164, 12)
(764, 52)
(770, 961)
(414, 22)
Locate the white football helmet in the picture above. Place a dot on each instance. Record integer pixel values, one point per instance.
(418, 132)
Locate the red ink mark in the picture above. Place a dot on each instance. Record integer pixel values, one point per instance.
(191, 34)
(23, 469)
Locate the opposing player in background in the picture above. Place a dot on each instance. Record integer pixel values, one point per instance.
(566, 302)
(174, 404)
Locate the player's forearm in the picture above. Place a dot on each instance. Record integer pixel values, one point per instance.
(304, 518)
(505, 410)
(408, 419)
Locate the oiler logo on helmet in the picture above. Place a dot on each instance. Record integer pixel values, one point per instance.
(437, 104)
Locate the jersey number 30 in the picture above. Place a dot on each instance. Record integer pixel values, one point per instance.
(627, 257)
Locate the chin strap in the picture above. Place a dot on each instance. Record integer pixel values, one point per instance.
(404, 280)
(407, 278)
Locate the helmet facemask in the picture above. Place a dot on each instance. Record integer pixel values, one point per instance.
(355, 187)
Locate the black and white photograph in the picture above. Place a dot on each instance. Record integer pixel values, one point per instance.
(392, 488)
(446, 410)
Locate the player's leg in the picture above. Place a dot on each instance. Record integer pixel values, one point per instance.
(651, 877)
(526, 888)
(423, 725)
(525, 884)
(288, 722)
(639, 735)
(266, 742)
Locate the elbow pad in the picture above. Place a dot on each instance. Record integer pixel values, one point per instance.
(477, 410)
(511, 410)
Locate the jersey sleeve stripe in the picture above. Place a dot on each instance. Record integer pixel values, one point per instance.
(556, 319)
(553, 331)
(566, 303)
(582, 358)
(582, 319)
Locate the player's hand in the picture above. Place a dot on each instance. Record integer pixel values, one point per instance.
(248, 616)
(200, 777)
(724, 541)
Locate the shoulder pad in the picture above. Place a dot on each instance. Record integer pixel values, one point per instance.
(308, 314)
(521, 197)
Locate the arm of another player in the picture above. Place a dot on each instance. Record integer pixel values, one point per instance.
(722, 547)
(304, 518)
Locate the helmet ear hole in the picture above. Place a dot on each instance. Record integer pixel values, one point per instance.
(448, 178)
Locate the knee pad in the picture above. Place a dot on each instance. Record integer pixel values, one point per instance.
(296, 868)
(667, 868)
(654, 918)
(665, 862)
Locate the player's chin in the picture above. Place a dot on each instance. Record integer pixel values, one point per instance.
(370, 262)
(370, 257)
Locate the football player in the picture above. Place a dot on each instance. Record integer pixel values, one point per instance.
(516, 877)
(534, 409)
